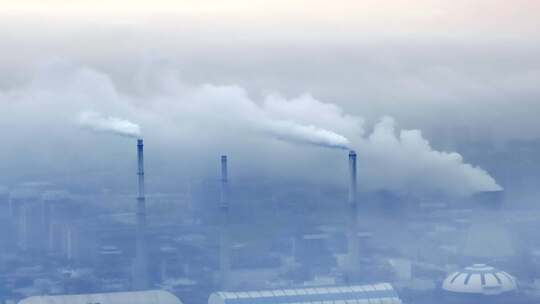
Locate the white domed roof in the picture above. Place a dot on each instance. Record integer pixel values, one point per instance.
(480, 279)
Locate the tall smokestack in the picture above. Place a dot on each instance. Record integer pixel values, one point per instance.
(140, 279)
(352, 177)
(224, 258)
(352, 230)
(224, 203)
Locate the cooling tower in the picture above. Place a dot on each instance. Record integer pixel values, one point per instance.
(140, 279)
(224, 258)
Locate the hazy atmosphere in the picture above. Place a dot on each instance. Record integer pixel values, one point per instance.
(439, 99)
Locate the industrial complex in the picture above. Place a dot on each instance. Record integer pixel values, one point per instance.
(199, 246)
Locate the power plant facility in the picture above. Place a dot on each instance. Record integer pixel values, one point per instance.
(269, 152)
(232, 238)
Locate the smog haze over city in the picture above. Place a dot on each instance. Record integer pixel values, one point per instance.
(239, 152)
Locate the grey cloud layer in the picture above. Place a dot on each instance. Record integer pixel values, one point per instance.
(485, 81)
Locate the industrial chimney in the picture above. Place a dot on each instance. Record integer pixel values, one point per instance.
(140, 279)
(352, 229)
(224, 258)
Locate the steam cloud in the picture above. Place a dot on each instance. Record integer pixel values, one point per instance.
(296, 133)
(408, 160)
(318, 126)
(97, 122)
(197, 120)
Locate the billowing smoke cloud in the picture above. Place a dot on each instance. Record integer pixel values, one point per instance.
(97, 122)
(313, 121)
(198, 122)
(230, 106)
(408, 161)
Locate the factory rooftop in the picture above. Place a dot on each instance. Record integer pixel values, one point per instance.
(136, 297)
(378, 293)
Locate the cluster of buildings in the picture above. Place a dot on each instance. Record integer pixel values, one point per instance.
(66, 248)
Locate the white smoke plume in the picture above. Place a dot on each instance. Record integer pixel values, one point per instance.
(409, 163)
(200, 121)
(231, 106)
(307, 120)
(97, 122)
(304, 134)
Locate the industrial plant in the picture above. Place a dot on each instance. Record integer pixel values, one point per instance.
(269, 152)
(203, 245)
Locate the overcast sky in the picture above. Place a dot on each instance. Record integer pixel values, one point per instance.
(430, 65)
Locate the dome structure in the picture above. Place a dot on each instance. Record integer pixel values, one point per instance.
(480, 279)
